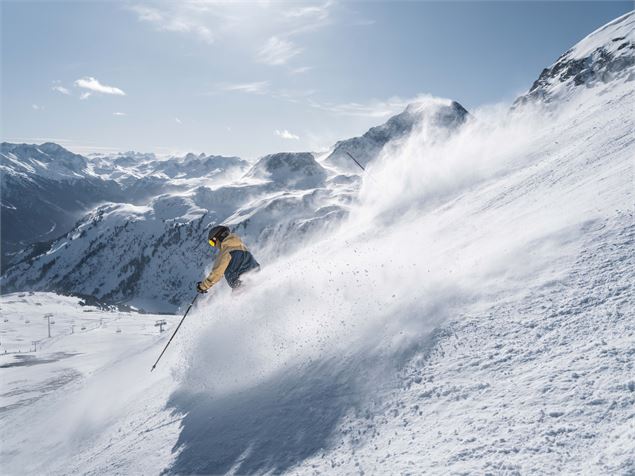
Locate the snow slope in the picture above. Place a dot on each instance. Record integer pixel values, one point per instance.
(58, 379)
(480, 321)
(472, 314)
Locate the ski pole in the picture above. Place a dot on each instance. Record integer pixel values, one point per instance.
(351, 156)
(360, 166)
(175, 331)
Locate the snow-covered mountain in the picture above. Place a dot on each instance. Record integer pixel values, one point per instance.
(118, 252)
(46, 189)
(440, 113)
(130, 166)
(48, 161)
(605, 55)
(290, 170)
(471, 314)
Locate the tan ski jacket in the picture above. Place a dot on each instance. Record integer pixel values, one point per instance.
(229, 244)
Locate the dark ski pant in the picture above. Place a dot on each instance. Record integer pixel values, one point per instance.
(239, 286)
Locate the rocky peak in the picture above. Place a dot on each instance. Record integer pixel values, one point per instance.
(437, 112)
(606, 55)
(293, 169)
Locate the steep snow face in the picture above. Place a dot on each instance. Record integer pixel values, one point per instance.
(443, 114)
(330, 362)
(605, 55)
(511, 236)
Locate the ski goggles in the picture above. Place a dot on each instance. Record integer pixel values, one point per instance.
(212, 243)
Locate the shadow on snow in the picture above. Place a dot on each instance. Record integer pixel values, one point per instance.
(269, 428)
(284, 421)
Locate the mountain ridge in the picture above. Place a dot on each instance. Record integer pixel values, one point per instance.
(604, 55)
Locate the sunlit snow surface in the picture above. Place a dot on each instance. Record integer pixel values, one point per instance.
(473, 315)
(78, 382)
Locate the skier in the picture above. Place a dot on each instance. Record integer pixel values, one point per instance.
(233, 260)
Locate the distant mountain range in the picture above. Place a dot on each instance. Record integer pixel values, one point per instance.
(46, 188)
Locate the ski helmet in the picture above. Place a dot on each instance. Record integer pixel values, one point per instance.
(217, 234)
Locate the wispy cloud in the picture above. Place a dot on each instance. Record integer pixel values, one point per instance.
(119, 114)
(285, 134)
(264, 88)
(85, 95)
(315, 12)
(178, 121)
(277, 51)
(301, 69)
(61, 89)
(373, 108)
(256, 87)
(175, 20)
(93, 85)
(303, 19)
(36, 107)
(275, 28)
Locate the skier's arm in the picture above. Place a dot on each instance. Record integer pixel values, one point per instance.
(217, 271)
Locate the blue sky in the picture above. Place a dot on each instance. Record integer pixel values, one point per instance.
(250, 78)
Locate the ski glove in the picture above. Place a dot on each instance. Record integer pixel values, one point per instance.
(199, 288)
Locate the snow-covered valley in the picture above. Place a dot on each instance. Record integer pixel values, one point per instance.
(463, 307)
